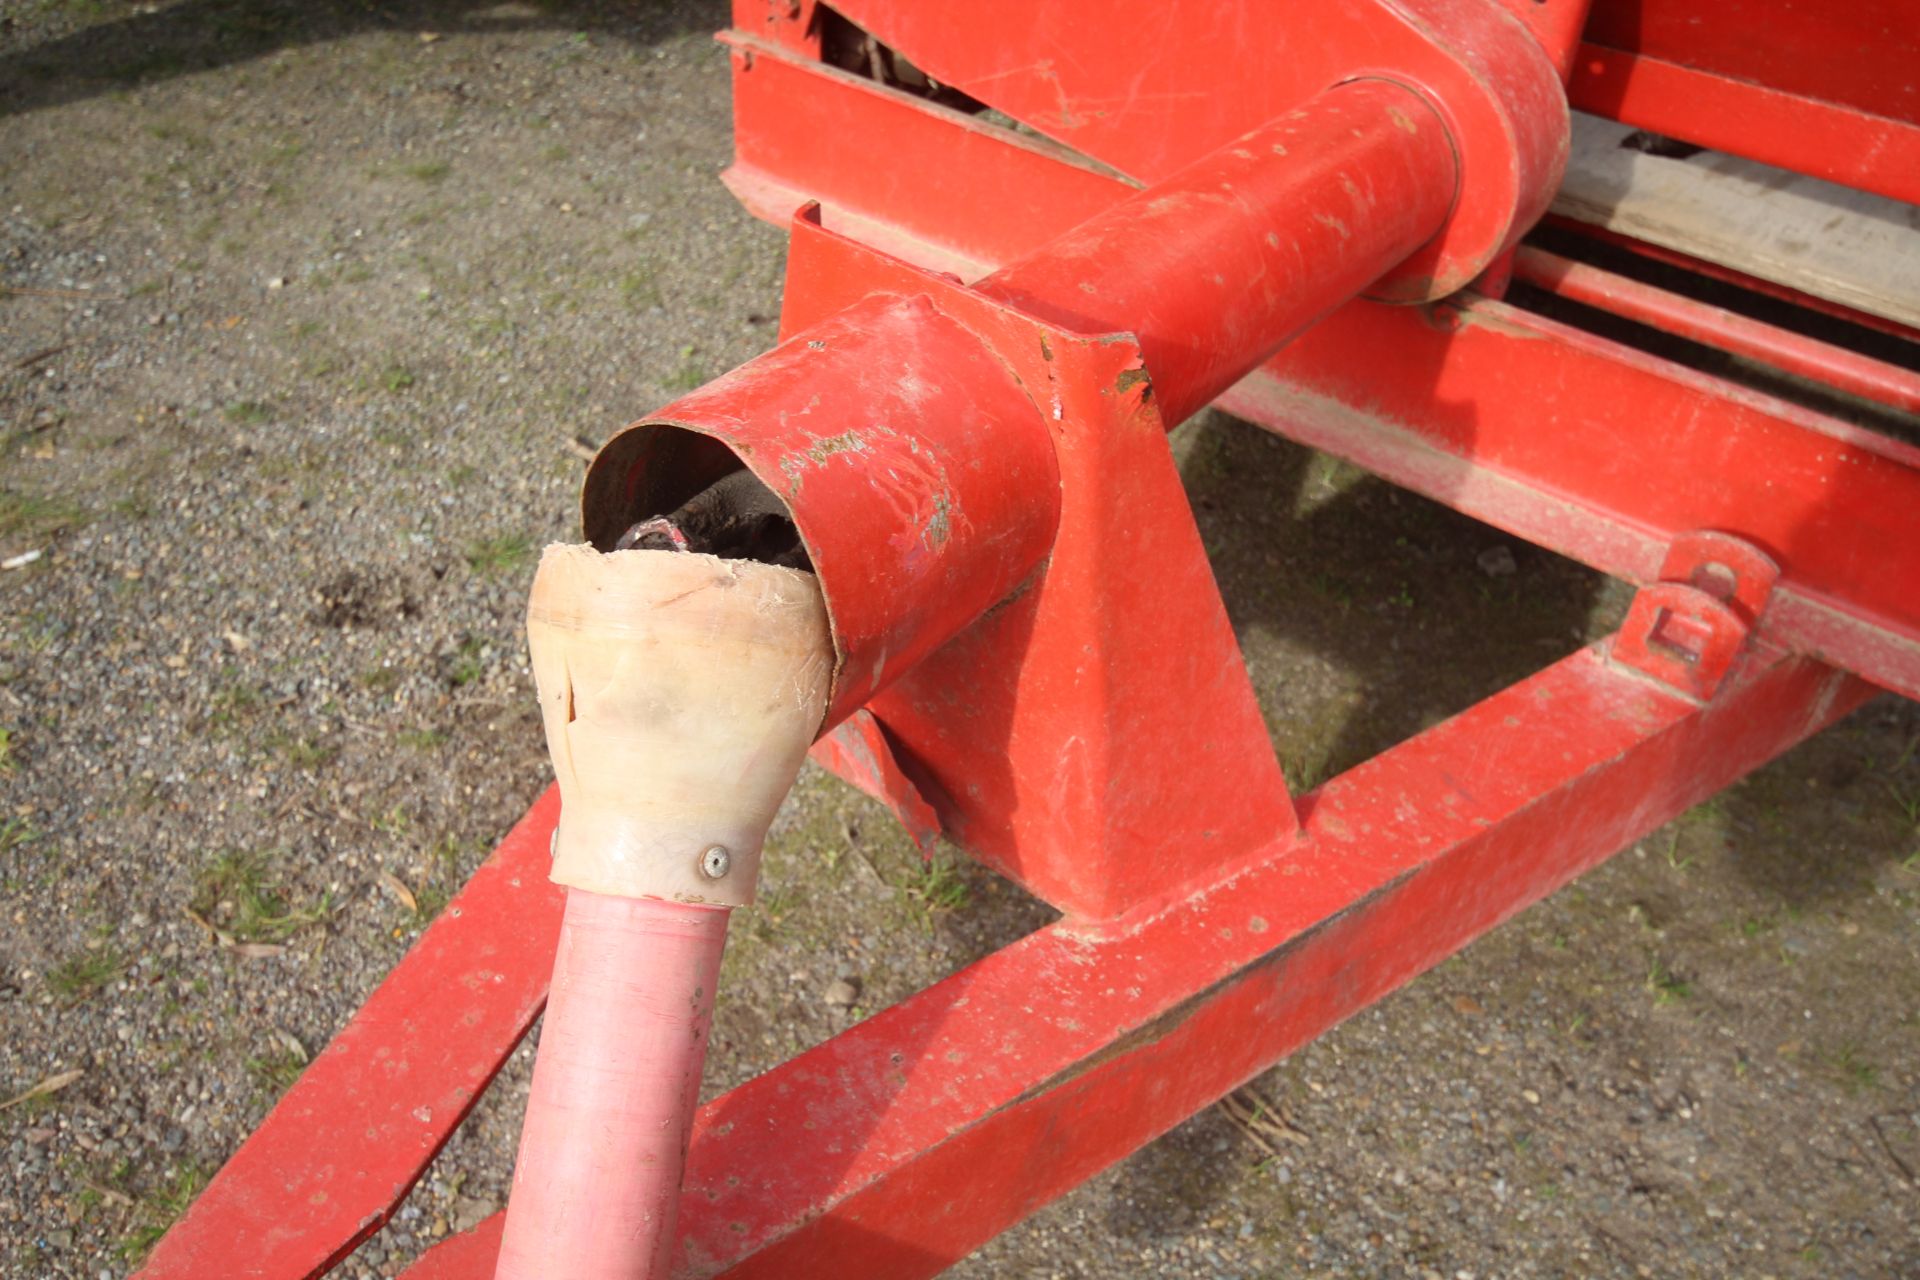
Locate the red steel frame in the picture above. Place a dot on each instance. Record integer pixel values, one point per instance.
(900, 1145)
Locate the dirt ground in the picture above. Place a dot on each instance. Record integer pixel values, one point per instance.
(307, 310)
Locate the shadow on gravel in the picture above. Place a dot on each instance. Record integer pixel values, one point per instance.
(199, 35)
(1836, 819)
(1330, 574)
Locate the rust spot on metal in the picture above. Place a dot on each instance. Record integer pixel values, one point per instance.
(940, 525)
(845, 442)
(1131, 378)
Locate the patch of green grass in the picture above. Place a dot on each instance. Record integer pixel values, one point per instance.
(231, 704)
(1907, 799)
(6, 752)
(239, 893)
(156, 1212)
(397, 378)
(498, 555)
(639, 290)
(1710, 811)
(934, 888)
(16, 833)
(303, 753)
(248, 413)
(1303, 771)
(465, 667)
(422, 739)
(1667, 987)
(381, 679)
(33, 514)
(691, 373)
(275, 1071)
(1855, 1074)
(428, 170)
(395, 821)
(85, 972)
(1675, 861)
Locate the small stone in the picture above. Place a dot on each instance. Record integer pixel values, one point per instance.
(469, 1212)
(1497, 562)
(841, 993)
(277, 282)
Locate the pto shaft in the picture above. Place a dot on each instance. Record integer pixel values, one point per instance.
(680, 692)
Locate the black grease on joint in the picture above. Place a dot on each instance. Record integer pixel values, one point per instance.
(736, 518)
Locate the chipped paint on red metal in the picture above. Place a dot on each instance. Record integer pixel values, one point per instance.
(791, 24)
(1215, 267)
(1717, 327)
(1027, 726)
(898, 1146)
(338, 1154)
(1525, 423)
(1087, 85)
(918, 470)
(1807, 135)
(1556, 25)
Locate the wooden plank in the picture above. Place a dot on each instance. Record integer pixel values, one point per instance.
(1833, 242)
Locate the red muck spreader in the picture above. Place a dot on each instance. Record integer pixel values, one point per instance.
(1027, 240)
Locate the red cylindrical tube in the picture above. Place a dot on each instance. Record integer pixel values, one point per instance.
(1701, 322)
(618, 1075)
(1216, 267)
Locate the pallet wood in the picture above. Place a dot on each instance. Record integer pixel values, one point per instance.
(1830, 241)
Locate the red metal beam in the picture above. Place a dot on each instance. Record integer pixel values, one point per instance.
(1727, 275)
(1860, 54)
(1823, 139)
(1717, 327)
(900, 1145)
(1598, 451)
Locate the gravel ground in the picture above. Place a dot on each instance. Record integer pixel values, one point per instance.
(308, 310)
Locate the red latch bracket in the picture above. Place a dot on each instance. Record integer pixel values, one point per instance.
(1687, 629)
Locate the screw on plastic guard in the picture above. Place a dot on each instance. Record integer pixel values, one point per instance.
(1687, 629)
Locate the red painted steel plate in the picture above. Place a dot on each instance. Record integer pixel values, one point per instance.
(1860, 54)
(1807, 135)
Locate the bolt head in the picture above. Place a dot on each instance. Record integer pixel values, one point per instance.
(714, 862)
